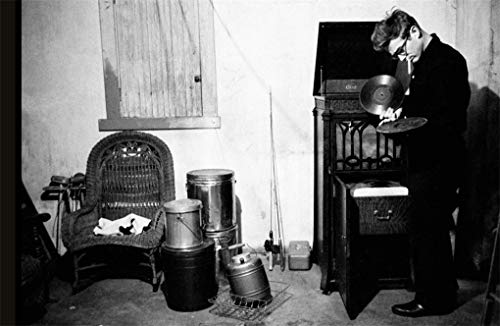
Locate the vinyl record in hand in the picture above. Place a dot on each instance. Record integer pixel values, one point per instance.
(401, 125)
(381, 92)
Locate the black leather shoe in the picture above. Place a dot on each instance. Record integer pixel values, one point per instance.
(415, 309)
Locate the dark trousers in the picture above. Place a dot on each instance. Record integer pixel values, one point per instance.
(434, 198)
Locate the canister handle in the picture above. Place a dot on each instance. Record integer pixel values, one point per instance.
(181, 219)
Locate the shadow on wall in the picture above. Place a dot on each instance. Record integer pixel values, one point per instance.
(480, 198)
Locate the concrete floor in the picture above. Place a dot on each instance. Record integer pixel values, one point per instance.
(132, 302)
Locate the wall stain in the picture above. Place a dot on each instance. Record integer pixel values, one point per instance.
(112, 91)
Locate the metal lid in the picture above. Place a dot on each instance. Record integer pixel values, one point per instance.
(241, 258)
(243, 264)
(207, 248)
(182, 205)
(210, 175)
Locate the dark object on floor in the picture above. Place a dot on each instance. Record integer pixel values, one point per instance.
(33, 290)
(37, 261)
(127, 172)
(415, 309)
(189, 276)
(490, 296)
(64, 269)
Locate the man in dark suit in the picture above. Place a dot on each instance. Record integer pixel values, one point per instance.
(438, 91)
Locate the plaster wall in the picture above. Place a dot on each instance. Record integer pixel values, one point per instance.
(261, 46)
(478, 26)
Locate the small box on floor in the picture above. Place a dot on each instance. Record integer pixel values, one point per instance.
(299, 255)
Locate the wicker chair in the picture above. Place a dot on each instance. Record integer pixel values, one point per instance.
(127, 172)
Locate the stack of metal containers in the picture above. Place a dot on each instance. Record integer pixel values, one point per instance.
(188, 259)
(202, 248)
(215, 189)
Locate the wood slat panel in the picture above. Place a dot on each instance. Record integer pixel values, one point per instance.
(135, 33)
(109, 58)
(151, 56)
(125, 54)
(176, 59)
(169, 86)
(159, 123)
(129, 34)
(185, 10)
(145, 90)
(189, 15)
(183, 56)
(139, 110)
(133, 47)
(208, 92)
(155, 55)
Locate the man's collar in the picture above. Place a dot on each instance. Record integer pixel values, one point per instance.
(430, 47)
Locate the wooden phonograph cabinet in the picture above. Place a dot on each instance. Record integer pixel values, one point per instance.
(360, 242)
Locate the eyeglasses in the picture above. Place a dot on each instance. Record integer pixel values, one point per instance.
(400, 51)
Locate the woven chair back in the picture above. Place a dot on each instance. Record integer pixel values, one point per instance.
(133, 174)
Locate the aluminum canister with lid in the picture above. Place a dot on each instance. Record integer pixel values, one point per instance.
(183, 223)
(247, 278)
(215, 188)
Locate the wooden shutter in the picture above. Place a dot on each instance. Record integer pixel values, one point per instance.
(159, 64)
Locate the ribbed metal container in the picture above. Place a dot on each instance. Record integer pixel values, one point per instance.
(215, 189)
(247, 278)
(183, 223)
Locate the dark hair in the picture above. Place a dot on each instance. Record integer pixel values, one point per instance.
(397, 23)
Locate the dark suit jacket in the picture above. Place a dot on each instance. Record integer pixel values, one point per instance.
(440, 92)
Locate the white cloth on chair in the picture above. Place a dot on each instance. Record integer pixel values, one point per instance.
(132, 222)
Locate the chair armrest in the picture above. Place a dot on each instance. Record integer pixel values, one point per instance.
(44, 217)
(71, 220)
(158, 225)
